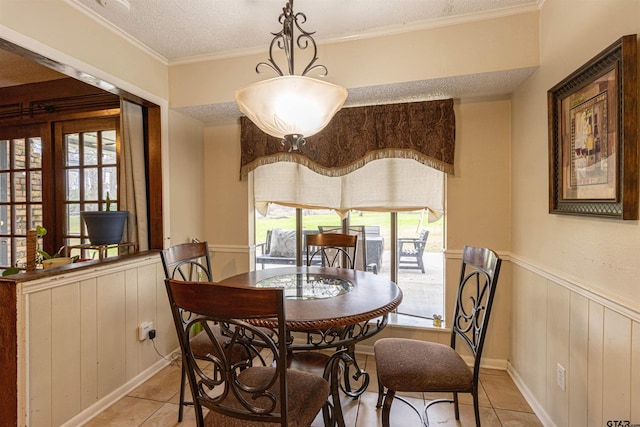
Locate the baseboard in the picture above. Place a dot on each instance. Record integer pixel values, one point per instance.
(117, 394)
(528, 396)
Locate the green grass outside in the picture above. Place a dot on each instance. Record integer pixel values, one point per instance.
(409, 224)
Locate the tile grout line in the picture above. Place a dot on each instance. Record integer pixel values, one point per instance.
(361, 412)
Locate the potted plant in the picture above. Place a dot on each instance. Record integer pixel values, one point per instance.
(104, 227)
(42, 257)
(50, 261)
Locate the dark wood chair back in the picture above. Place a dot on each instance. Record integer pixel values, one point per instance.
(234, 389)
(187, 261)
(361, 261)
(335, 249)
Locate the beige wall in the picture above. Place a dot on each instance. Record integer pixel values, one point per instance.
(601, 254)
(59, 31)
(186, 178)
(478, 206)
(478, 203)
(576, 299)
(227, 210)
(505, 43)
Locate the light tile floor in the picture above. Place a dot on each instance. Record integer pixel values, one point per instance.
(155, 403)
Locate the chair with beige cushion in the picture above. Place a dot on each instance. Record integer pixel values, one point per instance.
(409, 365)
(242, 392)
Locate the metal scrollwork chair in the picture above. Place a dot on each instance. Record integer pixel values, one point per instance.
(409, 365)
(187, 261)
(242, 392)
(361, 254)
(336, 250)
(191, 262)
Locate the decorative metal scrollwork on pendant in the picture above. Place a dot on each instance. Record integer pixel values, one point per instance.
(285, 40)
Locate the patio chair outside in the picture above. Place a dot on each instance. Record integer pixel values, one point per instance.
(411, 251)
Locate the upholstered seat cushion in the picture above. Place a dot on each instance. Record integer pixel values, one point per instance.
(307, 395)
(413, 365)
(201, 345)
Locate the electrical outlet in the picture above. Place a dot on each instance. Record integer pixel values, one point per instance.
(143, 330)
(561, 376)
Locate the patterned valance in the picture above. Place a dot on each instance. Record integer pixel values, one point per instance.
(423, 131)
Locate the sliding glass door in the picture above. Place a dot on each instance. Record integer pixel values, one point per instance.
(423, 290)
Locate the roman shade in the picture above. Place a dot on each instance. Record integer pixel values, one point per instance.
(375, 158)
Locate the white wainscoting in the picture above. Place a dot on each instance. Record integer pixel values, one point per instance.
(593, 336)
(81, 342)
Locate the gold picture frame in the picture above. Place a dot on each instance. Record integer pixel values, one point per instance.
(593, 138)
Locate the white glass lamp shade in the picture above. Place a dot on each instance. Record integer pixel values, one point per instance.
(289, 105)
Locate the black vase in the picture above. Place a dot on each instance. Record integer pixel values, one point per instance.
(104, 227)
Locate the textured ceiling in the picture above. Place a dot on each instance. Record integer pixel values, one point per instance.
(498, 84)
(177, 29)
(188, 30)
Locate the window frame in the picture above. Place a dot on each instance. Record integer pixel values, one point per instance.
(94, 99)
(62, 128)
(25, 132)
(153, 164)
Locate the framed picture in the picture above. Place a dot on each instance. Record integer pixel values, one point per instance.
(593, 139)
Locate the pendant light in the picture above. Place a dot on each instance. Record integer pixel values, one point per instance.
(291, 107)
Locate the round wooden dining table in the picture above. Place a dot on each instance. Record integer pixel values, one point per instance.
(329, 308)
(320, 298)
